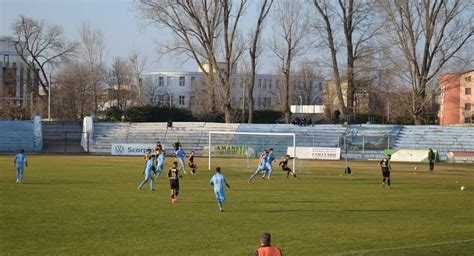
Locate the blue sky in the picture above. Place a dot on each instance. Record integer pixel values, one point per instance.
(122, 28)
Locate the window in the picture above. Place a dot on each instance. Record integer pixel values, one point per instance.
(467, 106)
(467, 91)
(6, 58)
(467, 120)
(181, 81)
(270, 83)
(264, 83)
(181, 100)
(259, 83)
(161, 81)
(467, 79)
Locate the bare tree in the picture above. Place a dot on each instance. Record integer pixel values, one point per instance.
(232, 50)
(358, 28)
(72, 91)
(92, 54)
(195, 26)
(254, 52)
(201, 28)
(150, 91)
(118, 79)
(427, 36)
(288, 43)
(309, 85)
(137, 64)
(41, 46)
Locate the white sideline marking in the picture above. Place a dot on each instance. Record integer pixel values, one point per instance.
(404, 247)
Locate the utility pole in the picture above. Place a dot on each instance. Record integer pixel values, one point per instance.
(49, 98)
(243, 99)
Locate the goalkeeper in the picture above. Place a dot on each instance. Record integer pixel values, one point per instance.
(284, 166)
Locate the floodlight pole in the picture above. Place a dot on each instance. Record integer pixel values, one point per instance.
(49, 98)
(209, 151)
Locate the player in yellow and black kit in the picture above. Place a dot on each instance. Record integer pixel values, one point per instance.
(386, 168)
(284, 167)
(174, 181)
(191, 163)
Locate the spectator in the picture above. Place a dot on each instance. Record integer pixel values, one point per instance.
(266, 249)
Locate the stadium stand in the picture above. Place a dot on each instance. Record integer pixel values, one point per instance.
(440, 138)
(356, 141)
(16, 135)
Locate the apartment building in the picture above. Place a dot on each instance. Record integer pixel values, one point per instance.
(455, 99)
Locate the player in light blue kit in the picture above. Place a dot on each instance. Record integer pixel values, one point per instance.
(20, 163)
(180, 155)
(270, 160)
(262, 167)
(218, 181)
(149, 174)
(160, 164)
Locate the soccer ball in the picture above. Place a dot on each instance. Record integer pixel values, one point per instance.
(462, 188)
(416, 168)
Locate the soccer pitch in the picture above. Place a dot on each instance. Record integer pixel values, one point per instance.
(90, 205)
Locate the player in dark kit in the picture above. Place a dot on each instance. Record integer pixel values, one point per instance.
(191, 163)
(386, 168)
(432, 159)
(174, 182)
(285, 168)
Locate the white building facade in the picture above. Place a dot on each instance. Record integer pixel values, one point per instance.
(178, 89)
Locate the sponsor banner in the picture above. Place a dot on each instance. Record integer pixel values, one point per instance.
(316, 153)
(230, 151)
(124, 149)
(409, 155)
(460, 157)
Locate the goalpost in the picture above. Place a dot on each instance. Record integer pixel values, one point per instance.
(253, 141)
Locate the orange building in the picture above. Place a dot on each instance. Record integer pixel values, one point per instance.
(456, 101)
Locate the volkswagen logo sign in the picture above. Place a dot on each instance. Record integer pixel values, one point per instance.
(119, 149)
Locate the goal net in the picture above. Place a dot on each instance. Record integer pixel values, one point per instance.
(244, 148)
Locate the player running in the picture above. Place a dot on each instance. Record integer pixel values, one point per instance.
(270, 160)
(148, 174)
(386, 168)
(160, 163)
(191, 163)
(173, 174)
(218, 181)
(180, 155)
(284, 166)
(262, 167)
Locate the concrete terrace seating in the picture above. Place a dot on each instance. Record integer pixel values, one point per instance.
(441, 138)
(193, 135)
(16, 135)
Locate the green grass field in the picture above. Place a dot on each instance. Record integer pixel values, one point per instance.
(90, 205)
